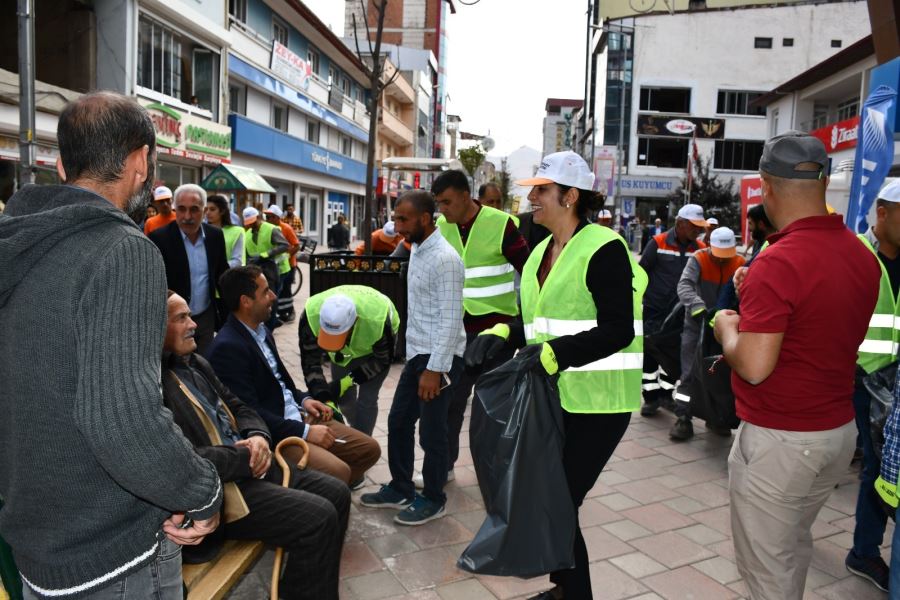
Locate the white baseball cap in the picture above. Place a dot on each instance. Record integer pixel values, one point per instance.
(693, 213)
(564, 168)
(389, 229)
(604, 214)
(275, 210)
(712, 221)
(722, 243)
(250, 215)
(162, 193)
(337, 316)
(890, 192)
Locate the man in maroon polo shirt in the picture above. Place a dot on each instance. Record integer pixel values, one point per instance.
(805, 308)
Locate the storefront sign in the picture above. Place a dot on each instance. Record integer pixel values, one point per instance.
(679, 126)
(326, 160)
(838, 136)
(45, 155)
(186, 136)
(291, 67)
(751, 195)
(645, 186)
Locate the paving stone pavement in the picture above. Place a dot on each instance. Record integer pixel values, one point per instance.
(656, 526)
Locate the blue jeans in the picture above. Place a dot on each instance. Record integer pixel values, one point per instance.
(870, 518)
(408, 408)
(159, 580)
(894, 584)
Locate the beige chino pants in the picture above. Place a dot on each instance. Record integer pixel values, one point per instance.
(778, 481)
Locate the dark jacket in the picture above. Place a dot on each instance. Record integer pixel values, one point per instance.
(91, 463)
(664, 260)
(232, 463)
(178, 275)
(242, 367)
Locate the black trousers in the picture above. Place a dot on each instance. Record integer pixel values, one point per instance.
(308, 520)
(462, 390)
(590, 442)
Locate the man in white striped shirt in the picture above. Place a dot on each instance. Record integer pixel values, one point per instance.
(435, 342)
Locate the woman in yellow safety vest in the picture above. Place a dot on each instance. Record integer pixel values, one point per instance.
(218, 214)
(581, 296)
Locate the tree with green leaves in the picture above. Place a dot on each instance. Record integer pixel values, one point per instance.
(503, 179)
(718, 198)
(471, 158)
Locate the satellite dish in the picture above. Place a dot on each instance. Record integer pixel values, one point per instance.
(487, 143)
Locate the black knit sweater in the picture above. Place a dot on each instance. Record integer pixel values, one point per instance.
(91, 463)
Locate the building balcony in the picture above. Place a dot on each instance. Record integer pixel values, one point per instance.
(395, 130)
(257, 51)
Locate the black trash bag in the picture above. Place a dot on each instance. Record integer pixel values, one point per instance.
(663, 342)
(880, 385)
(517, 441)
(712, 398)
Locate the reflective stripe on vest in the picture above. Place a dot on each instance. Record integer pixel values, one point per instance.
(372, 310)
(879, 348)
(565, 306)
(490, 279)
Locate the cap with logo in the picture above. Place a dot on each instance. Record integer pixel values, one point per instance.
(564, 168)
(784, 152)
(693, 213)
(337, 316)
(250, 215)
(722, 243)
(890, 192)
(389, 229)
(162, 193)
(275, 210)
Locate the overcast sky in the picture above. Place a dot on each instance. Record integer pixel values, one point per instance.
(505, 58)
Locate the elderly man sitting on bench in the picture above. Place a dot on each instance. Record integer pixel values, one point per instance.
(308, 518)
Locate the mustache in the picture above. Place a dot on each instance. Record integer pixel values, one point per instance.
(190, 334)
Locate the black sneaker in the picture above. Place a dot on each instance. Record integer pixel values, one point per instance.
(649, 409)
(682, 430)
(874, 569)
(386, 497)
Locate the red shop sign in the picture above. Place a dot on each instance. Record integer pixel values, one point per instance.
(840, 135)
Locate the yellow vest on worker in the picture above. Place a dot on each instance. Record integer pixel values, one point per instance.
(490, 279)
(263, 243)
(565, 306)
(232, 234)
(879, 347)
(372, 310)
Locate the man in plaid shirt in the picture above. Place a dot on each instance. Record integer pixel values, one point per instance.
(886, 484)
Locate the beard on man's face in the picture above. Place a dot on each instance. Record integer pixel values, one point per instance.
(137, 203)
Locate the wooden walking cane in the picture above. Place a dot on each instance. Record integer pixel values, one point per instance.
(285, 482)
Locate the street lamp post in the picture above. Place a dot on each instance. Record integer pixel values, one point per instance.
(26, 92)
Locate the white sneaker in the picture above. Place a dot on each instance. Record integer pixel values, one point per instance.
(419, 481)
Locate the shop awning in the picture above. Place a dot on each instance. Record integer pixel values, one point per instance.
(231, 178)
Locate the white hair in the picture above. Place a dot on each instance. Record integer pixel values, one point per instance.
(190, 188)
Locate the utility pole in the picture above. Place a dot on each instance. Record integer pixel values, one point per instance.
(26, 92)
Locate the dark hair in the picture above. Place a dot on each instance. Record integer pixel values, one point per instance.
(224, 208)
(757, 213)
(237, 282)
(421, 200)
(98, 131)
(450, 179)
(484, 188)
(589, 202)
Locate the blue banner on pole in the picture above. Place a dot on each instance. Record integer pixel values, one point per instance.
(874, 155)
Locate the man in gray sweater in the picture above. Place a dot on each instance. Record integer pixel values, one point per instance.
(100, 486)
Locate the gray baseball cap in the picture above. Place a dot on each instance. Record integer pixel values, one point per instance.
(784, 152)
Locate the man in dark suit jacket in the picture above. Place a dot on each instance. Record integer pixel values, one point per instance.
(245, 358)
(194, 253)
(308, 519)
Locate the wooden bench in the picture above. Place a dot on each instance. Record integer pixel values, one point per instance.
(214, 579)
